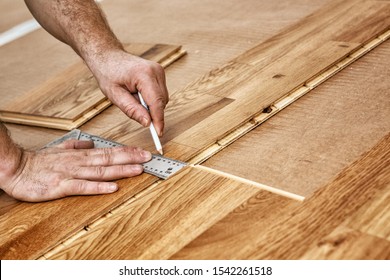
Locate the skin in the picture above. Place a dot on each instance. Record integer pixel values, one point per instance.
(75, 167)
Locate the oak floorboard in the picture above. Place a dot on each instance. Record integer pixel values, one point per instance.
(171, 140)
(33, 59)
(236, 27)
(66, 100)
(374, 216)
(340, 20)
(182, 112)
(225, 238)
(255, 88)
(303, 147)
(211, 36)
(328, 207)
(300, 230)
(345, 243)
(27, 230)
(161, 222)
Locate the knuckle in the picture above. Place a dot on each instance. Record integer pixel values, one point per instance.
(159, 103)
(106, 157)
(100, 171)
(79, 188)
(130, 110)
(158, 68)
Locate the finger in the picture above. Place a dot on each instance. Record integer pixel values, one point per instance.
(156, 100)
(84, 187)
(107, 173)
(76, 144)
(163, 87)
(130, 106)
(116, 156)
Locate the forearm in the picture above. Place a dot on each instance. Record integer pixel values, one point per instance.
(10, 155)
(81, 24)
(78, 23)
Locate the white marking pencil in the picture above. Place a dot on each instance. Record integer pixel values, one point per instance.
(153, 131)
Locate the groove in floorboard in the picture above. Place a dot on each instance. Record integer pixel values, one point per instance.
(263, 116)
(285, 101)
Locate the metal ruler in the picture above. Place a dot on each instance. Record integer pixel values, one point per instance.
(159, 166)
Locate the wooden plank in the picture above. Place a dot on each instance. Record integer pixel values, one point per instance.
(268, 82)
(338, 20)
(345, 243)
(242, 26)
(374, 217)
(73, 97)
(27, 230)
(226, 238)
(183, 112)
(298, 231)
(235, 38)
(302, 148)
(236, 28)
(162, 221)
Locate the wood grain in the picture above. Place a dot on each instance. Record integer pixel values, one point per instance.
(203, 197)
(345, 243)
(73, 97)
(241, 226)
(27, 230)
(182, 112)
(240, 27)
(300, 230)
(303, 147)
(267, 82)
(161, 222)
(374, 216)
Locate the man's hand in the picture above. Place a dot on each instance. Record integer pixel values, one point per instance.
(82, 25)
(71, 168)
(121, 75)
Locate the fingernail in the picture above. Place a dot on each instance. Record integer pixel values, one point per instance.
(112, 188)
(146, 155)
(145, 122)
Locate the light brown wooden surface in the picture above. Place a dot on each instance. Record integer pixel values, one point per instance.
(13, 13)
(209, 40)
(345, 243)
(73, 97)
(30, 229)
(306, 145)
(23, 224)
(373, 217)
(159, 223)
(260, 83)
(48, 231)
(304, 231)
(255, 87)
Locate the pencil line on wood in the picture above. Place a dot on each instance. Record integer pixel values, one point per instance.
(255, 184)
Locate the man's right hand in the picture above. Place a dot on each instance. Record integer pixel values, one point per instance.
(71, 168)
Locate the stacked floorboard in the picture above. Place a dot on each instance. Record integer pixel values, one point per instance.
(73, 97)
(220, 209)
